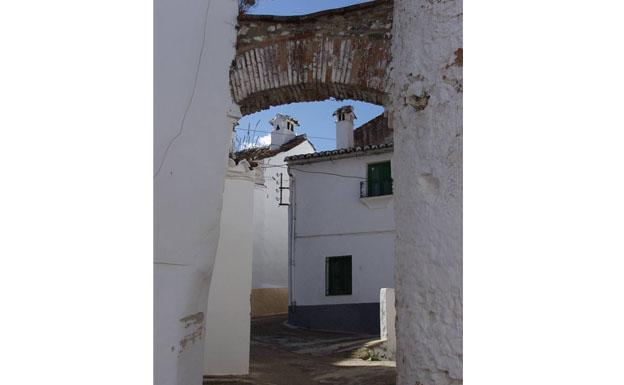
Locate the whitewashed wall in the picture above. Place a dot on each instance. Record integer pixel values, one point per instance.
(227, 316)
(387, 319)
(193, 47)
(372, 266)
(426, 114)
(270, 255)
(332, 220)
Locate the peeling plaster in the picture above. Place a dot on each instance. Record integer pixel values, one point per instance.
(418, 102)
(196, 323)
(459, 57)
(193, 319)
(427, 61)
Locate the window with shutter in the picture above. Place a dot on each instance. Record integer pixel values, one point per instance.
(379, 179)
(338, 275)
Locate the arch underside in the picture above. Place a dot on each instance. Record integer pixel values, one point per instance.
(342, 53)
(308, 92)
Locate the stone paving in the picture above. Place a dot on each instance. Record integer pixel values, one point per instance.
(281, 355)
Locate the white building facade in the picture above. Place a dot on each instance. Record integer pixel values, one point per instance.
(269, 294)
(342, 236)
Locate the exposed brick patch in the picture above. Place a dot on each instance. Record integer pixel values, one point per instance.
(459, 57)
(375, 131)
(419, 102)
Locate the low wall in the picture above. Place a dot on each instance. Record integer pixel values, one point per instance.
(387, 317)
(269, 301)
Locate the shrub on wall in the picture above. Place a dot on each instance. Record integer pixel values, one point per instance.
(245, 5)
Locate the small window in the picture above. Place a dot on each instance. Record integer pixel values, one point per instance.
(379, 179)
(338, 275)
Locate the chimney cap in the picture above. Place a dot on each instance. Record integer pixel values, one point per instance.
(287, 118)
(344, 110)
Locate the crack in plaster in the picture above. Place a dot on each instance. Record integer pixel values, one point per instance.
(190, 103)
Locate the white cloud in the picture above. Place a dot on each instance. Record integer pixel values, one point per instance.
(258, 141)
(264, 140)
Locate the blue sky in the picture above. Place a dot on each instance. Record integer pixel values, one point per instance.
(298, 7)
(315, 118)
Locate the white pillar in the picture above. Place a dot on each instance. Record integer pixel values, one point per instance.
(228, 311)
(426, 114)
(194, 44)
(387, 315)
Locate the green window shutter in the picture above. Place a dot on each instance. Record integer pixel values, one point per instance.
(372, 175)
(338, 275)
(379, 179)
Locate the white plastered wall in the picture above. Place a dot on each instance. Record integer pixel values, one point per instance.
(193, 47)
(227, 316)
(270, 255)
(426, 114)
(332, 220)
(387, 319)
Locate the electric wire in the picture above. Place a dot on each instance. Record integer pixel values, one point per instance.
(279, 133)
(315, 172)
(329, 173)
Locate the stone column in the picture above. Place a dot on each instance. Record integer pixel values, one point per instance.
(426, 114)
(193, 47)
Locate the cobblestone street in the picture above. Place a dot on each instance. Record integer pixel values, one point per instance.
(281, 355)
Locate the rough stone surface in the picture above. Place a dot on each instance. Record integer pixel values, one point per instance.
(426, 114)
(341, 53)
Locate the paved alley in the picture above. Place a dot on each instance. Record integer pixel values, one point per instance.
(281, 355)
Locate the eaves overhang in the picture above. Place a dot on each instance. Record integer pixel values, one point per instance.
(339, 154)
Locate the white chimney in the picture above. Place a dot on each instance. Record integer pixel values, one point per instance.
(283, 130)
(344, 126)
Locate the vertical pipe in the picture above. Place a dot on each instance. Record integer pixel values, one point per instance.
(291, 255)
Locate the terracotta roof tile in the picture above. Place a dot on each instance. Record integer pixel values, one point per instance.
(258, 153)
(343, 151)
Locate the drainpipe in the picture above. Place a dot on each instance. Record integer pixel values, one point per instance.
(291, 255)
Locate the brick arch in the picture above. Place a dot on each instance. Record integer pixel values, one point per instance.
(342, 53)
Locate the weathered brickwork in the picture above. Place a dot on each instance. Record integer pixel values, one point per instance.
(342, 53)
(375, 131)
